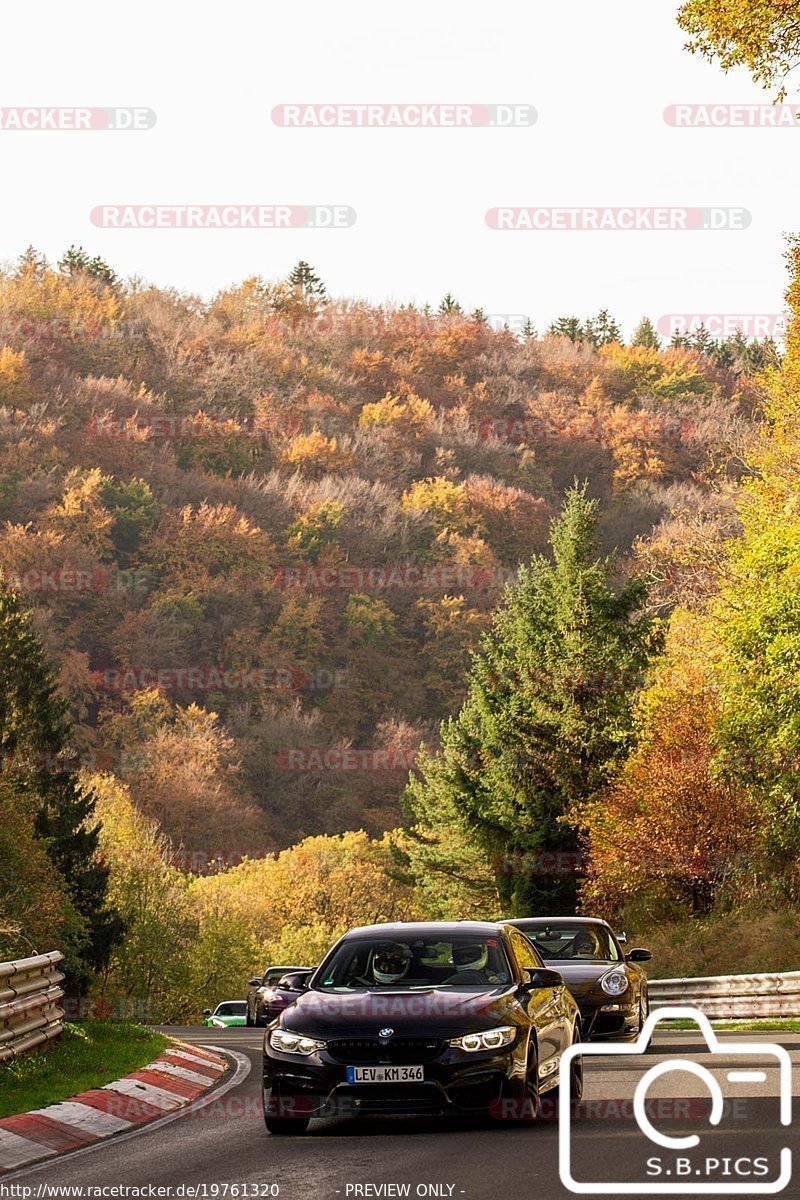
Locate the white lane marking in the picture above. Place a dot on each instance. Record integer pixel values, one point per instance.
(84, 1117)
(243, 1069)
(16, 1150)
(168, 1068)
(747, 1076)
(147, 1092)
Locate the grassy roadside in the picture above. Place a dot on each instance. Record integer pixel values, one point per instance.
(779, 1025)
(85, 1056)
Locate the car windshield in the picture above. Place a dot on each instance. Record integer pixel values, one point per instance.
(406, 964)
(231, 1008)
(579, 942)
(273, 974)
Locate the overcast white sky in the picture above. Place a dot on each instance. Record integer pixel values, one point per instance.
(599, 73)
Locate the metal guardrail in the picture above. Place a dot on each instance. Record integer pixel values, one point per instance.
(31, 1011)
(731, 996)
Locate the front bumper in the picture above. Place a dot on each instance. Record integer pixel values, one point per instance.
(608, 1020)
(455, 1082)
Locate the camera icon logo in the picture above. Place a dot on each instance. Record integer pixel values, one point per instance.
(685, 1168)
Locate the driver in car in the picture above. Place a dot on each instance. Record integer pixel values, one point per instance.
(471, 962)
(585, 944)
(390, 964)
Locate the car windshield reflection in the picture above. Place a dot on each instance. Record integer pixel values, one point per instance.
(582, 943)
(375, 964)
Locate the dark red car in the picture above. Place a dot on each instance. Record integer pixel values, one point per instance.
(277, 988)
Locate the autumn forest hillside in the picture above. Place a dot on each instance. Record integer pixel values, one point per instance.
(261, 535)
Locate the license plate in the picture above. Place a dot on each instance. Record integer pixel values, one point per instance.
(385, 1074)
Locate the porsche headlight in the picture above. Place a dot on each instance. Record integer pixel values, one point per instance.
(488, 1039)
(614, 983)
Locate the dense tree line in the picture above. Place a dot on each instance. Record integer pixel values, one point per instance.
(270, 542)
(320, 500)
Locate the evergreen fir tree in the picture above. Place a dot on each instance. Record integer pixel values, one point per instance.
(449, 306)
(645, 335)
(304, 280)
(35, 749)
(602, 329)
(569, 327)
(701, 339)
(76, 261)
(547, 716)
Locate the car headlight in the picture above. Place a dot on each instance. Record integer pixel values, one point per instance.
(294, 1043)
(614, 983)
(489, 1039)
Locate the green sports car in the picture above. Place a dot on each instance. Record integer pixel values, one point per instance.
(229, 1012)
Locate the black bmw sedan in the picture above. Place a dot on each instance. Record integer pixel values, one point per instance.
(608, 983)
(450, 1017)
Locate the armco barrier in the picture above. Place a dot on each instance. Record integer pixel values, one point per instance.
(731, 996)
(31, 1011)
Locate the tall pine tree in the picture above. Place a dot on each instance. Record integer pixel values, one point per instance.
(567, 327)
(547, 716)
(35, 751)
(305, 281)
(76, 261)
(645, 335)
(602, 330)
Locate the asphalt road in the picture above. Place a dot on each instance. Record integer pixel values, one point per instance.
(226, 1143)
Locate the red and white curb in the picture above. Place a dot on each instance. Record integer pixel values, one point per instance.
(174, 1079)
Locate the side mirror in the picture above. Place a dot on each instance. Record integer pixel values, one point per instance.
(206, 1012)
(295, 982)
(639, 954)
(254, 983)
(543, 977)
